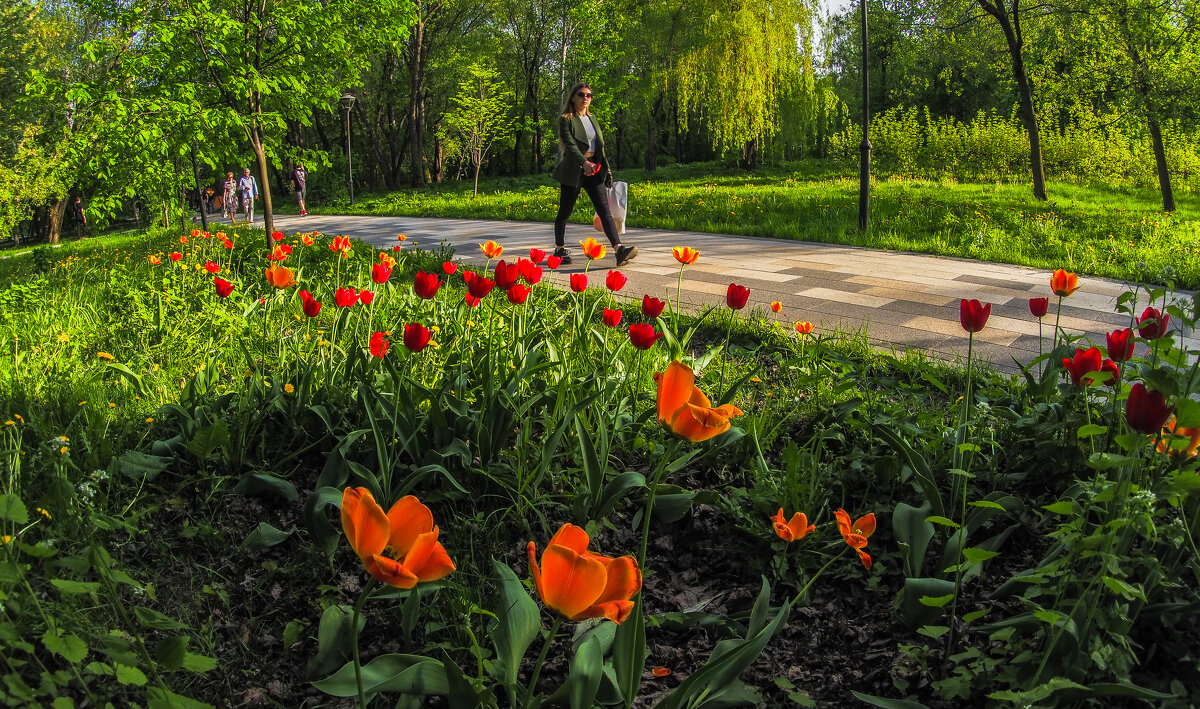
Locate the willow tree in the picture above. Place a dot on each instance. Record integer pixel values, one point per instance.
(746, 57)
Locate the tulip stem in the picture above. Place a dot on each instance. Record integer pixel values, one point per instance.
(801, 593)
(541, 660)
(358, 680)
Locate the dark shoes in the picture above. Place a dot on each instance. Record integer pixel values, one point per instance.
(625, 254)
(564, 255)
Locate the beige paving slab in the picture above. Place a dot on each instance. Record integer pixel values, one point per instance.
(908, 295)
(954, 329)
(870, 301)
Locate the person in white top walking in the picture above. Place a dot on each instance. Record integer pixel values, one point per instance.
(249, 189)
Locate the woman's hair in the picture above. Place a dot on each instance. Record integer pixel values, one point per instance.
(569, 106)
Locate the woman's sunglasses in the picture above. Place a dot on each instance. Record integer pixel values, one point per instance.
(581, 94)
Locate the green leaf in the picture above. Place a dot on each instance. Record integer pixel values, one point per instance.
(130, 675)
(976, 555)
(937, 519)
(518, 623)
(334, 637)
(69, 647)
(586, 670)
(170, 652)
(75, 588)
(264, 484)
(975, 615)
(1129, 591)
(629, 653)
(265, 536)
(988, 504)
(1062, 507)
(139, 466)
(153, 619)
(1091, 429)
(159, 698)
(208, 439)
(63, 703)
(1038, 693)
(936, 602)
(199, 663)
(933, 631)
(403, 674)
(914, 533)
(886, 703)
(13, 510)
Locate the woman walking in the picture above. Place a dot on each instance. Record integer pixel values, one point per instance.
(583, 165)
(229, 198)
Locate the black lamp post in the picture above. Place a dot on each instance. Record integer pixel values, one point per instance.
(347, 102)
(864, 148)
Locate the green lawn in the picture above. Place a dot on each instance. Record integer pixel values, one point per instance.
(1103, 230)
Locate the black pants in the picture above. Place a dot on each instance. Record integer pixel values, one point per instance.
(567, 196)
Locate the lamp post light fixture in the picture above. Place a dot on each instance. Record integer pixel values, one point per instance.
(347, 102)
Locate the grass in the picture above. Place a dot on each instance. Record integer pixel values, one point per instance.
(1103, 230)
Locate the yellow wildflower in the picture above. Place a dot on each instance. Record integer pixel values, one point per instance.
(289, 388)
(63, 337)
(5, 539)
(149, 419)
(105, 355)
(44, 513)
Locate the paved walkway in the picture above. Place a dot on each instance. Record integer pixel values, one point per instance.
(902, 300)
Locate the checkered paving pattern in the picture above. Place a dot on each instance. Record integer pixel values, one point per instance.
(901, 300)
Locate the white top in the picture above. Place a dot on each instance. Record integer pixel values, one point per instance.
(590, 129)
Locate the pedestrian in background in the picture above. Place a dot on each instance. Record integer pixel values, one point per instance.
(298, 177)
(583, 165)
(80, 217)
(229, 198)
(248, 186)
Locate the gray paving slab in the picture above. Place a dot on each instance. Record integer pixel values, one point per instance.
(903, 300)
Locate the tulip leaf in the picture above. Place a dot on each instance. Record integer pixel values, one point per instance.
(139, 465)
(126, 372)
(334, 638)
(586, 670)
(1091, 429)
(593, 471)
(916, 610)
(518, 623)
(159, 698)
(403, 674)
(13, 510)
(1187, 413)
(460, 691)
(885, 703)
(616, 490)
(265, 483)
(153, 619)
(629, 653)
(914, 533)
(324, 534)
(916, 462)
(265, 536)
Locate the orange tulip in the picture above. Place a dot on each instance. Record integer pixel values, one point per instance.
(280, 277)
(804, 327)
(342, 244)
(1192, 434)
(400, 548)
(776, 306)
(790, 530)
(684, 409)
(593, 249)
(306, 239)
(491, 249)
(685, 255)
(1063, 283)
(580, 584)
(387, 260)
(154, 260)
(856, 534)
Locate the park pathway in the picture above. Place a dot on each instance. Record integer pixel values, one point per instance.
(901, 300)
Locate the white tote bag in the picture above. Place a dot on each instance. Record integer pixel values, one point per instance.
(618, 205)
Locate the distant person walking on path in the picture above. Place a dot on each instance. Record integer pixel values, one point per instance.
(249, 189)
(229, 198)
(583, 165)
(298, 177)
(80, 219)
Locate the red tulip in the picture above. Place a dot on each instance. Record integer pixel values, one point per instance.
(227, 244)
(471, 300)
(537, 256)
(175, 255)
(612, 318)
(652, 307)
(643, 336)
(615, 281)
(530, 272)
(579, 282)
(1120, 344)
(310, 305)
(366, 297)
(1153, 324)
(379, 344)
(277, 235)
(518, 293)
(973, 315)
(1145, 410)
(1038, 307)
(426, 285)
(553, 262)
(381, 272)
(1111, 368)
(477, 284)
(416, 337)
(1084, 362)
(506, 275)
(224, 287)
(449, 267)
(212, 267)
(737, 296)
(194, 232)
(345, 297)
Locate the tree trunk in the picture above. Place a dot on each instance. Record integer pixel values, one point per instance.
(651, 162)
(750, 155)
(56, 211)
(1010, 23)
(416, 108)
(1160, 161)
(264, 187)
